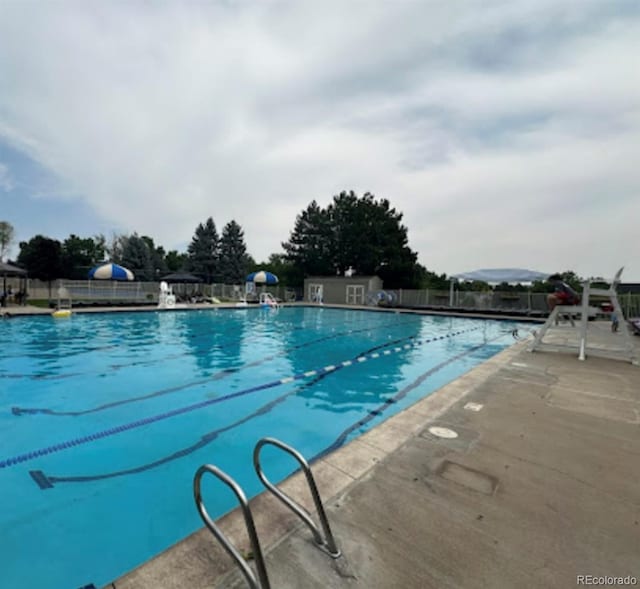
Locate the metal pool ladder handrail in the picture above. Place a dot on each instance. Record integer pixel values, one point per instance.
(262, 582)
(327, 543)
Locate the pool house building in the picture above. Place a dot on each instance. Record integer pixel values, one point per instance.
(340, 290)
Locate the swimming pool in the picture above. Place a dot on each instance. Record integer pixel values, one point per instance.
(106, 417)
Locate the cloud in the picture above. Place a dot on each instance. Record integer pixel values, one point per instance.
(6, 183)
(504, 131)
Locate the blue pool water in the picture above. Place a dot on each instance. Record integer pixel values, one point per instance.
(105, 417)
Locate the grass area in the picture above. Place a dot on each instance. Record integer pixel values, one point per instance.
(42, 303)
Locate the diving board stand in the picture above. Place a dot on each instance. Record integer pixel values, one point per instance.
(584, 310)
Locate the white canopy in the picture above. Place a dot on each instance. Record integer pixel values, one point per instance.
(498, 275)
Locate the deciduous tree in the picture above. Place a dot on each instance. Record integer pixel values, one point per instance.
(136, 256)
(175, 261)
(79, 255)
(6, 238)
(42, 258)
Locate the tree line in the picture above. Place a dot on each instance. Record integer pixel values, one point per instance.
(209, 256)
(360, 234)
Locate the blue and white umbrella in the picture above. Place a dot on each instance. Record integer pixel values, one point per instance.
(262, 277)
(110, 272)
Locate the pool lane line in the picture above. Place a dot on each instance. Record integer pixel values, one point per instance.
(45, 481)
(19, 411)
(202, 404)
(372, 414)
(217, 347)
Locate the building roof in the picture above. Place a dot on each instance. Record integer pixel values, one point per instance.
(11, 270)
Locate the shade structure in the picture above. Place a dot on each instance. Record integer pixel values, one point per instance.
(110, 272)
(11, 270)
(262, 277)
(498, 275)
(181, 278)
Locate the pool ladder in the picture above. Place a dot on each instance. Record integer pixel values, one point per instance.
(324, 540)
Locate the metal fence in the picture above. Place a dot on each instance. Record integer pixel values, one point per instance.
(116, 292)
(504, 302)
(93, 291)
(474, 301)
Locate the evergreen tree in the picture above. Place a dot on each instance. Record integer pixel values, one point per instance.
(310, 243)
(354, 232)
(203, 251)
(233, 260)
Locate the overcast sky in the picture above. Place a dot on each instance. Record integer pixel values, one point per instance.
(508, 133)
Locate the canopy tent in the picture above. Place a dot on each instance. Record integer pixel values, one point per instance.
(262, 277)
(8, 271)
(110, 272)
(499, 275)
(11, 270)
(181, 278)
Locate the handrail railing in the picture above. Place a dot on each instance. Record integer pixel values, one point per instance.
(328, 542)
(262, 582)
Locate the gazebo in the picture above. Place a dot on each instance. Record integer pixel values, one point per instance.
(9, 271)
(181, 280)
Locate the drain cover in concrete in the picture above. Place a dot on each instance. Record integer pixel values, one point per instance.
(443, 432)
(468, 477)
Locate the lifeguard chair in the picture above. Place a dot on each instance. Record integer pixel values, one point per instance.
(584, 310)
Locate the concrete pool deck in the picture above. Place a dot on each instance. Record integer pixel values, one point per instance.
(540, 486)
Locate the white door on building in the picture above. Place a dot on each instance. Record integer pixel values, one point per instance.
(355, 294)
(315, 293)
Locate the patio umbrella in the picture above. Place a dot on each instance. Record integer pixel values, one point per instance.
(262, 277)
(110, 272)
